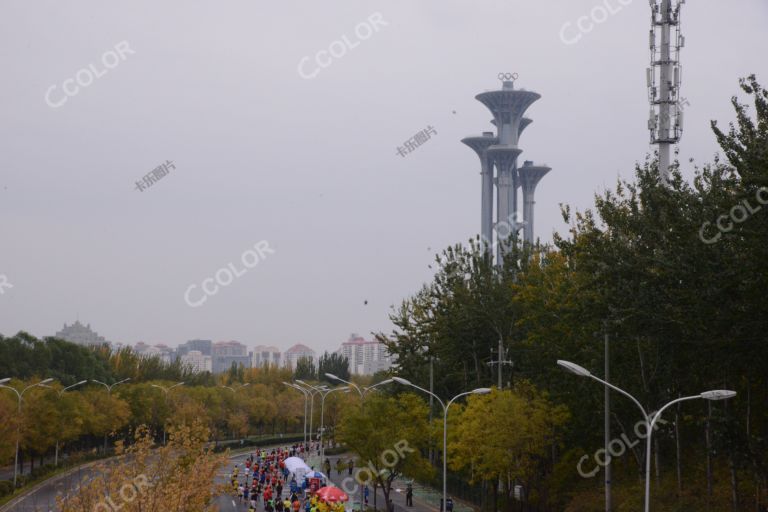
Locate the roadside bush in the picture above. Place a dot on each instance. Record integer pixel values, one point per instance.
(6, 487)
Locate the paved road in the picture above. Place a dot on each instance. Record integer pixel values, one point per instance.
(43, 499)
(425, 500)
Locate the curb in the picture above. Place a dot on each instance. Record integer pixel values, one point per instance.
(48, 481)
(8, 507)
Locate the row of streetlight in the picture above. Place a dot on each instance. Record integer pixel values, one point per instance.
(309, 390)
(650, 419)
(44, 383)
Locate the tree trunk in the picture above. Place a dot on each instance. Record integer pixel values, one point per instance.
(708, 439)
(678, 462)
(386, 488)
(734, 485)
(495, 491)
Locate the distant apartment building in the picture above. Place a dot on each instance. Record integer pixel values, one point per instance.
(80, 334)
(296, 352)
(197, 361)
(263, 356)
(205, 347)
(224, 353)
(365, 357)
(164, 352)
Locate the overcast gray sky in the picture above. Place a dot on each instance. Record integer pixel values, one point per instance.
(308, 165)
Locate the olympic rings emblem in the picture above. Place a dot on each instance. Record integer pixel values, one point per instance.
(506, 77)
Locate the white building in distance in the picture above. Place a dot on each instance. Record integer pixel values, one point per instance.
(164, 352)
(365, 357)
(263, 355)
(295, 353)
(197, 361)
(225, 353)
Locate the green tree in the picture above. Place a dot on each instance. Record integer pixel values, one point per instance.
(305, 369)
(335, 364)
(388, 436)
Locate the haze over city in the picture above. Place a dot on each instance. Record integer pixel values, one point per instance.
(261, 153)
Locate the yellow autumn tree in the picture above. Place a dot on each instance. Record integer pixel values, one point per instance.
(507, 437)
(178, 477)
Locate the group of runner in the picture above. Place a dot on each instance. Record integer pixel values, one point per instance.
(265, 478)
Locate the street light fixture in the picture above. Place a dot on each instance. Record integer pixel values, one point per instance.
(478, 391)
(718, 394)
(574, 368)
(56, 457)
(109, 393)
(374, 386)
(306, 397)
(324, 394)
(233, 389)
(362, 404)
(312, 392)
(348, 383)
(20, 397)
(166, 390)
(650, 419)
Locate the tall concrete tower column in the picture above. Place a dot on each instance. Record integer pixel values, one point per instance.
(504, 158)
(530, 175)
(480, 145)
(524, 122)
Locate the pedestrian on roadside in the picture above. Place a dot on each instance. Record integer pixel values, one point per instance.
(409, 495)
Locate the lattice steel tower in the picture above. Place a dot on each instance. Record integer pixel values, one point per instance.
(663, 78)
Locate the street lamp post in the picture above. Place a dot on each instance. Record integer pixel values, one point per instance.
(478, 391)
(312, 392)
(362, 404)
(166, 390)
(109, 393)
(650, 419)
(20, 397)
(324, 394)
(306, 397)
(56, 457)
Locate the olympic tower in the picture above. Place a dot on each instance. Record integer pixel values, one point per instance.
(498, 166)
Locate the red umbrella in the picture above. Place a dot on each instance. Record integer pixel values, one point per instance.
(332, 494)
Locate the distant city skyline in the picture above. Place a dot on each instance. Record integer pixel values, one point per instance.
(78, 332)
(365, 357)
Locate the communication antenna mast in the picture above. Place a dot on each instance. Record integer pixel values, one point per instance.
(663, 77)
